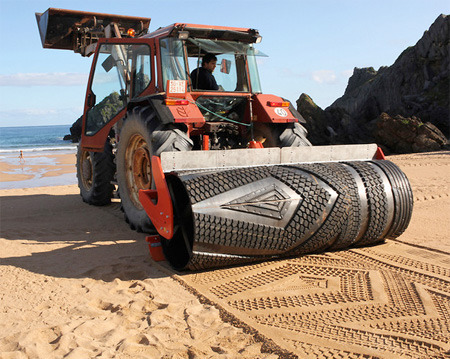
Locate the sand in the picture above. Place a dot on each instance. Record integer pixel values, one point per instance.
(76, 282)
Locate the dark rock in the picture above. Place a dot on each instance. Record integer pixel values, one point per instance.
(75, 131)
(417, 84)
(360, 77)
(431, 131)
(404, 135)
(315, 119)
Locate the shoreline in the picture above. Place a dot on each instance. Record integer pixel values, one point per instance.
(39, 168)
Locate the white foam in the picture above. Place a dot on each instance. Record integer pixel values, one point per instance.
(69, 148)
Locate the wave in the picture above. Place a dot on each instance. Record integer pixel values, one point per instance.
(70, 148)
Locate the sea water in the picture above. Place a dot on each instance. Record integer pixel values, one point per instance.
(35, 138)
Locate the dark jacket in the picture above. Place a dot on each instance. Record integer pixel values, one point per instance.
(204, 81)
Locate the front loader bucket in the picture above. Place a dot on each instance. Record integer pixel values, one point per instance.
(75, 30)
(254, 213)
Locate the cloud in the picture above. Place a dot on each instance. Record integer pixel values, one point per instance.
(39, 116)
(290, 73)
(36, 112)
(44, 79)
(324, 76)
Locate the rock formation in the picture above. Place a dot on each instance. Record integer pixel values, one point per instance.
(75, 131)
(316, 122)
(404, 135)
(417, 84)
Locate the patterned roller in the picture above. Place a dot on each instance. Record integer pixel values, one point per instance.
(258, 213)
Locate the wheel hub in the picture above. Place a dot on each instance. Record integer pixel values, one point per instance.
(86, 170)
(141, 168)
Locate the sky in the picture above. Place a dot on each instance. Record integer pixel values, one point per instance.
(313, 46)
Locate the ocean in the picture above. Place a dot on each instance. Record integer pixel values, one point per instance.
(35, 138)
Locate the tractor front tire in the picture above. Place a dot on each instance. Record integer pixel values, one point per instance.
(95, 173)
(281, 135)
(143, 136)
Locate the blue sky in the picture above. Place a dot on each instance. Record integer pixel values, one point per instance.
(313, 46)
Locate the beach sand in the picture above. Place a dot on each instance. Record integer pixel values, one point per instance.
(76, 282)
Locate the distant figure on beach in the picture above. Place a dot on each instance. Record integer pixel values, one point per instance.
(21, 159)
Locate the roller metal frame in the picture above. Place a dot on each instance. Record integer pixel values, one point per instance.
(353, 201)
(158, 203)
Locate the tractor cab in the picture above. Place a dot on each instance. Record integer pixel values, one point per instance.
(127, 69)
(236, 60)
(134, 68)
(156, 68)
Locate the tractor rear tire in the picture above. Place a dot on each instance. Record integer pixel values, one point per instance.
(95, 173)
(143, 136)
(281, 135)
(294, 135)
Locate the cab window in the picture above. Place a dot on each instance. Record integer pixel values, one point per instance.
(116, 66)
(172, 60)
(233, 59)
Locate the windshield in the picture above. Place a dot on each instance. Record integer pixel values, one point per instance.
(172, 60)
(231, 72)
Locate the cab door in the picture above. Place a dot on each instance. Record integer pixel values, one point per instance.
(121, 70)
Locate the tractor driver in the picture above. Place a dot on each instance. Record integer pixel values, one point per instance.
(202, 78)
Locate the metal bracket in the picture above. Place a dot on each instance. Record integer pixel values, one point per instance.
(161, 211)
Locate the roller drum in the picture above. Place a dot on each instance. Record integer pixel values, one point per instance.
(257, 213)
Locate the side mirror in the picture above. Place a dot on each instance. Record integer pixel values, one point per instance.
(225, 66)
(109, 63)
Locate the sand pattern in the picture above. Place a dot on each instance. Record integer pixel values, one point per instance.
(391, 300)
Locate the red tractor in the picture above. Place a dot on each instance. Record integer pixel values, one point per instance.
(140, 98)
(142, 102)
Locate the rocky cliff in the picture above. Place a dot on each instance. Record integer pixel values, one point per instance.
(417, 84)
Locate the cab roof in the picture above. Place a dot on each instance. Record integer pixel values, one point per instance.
(207, 32)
